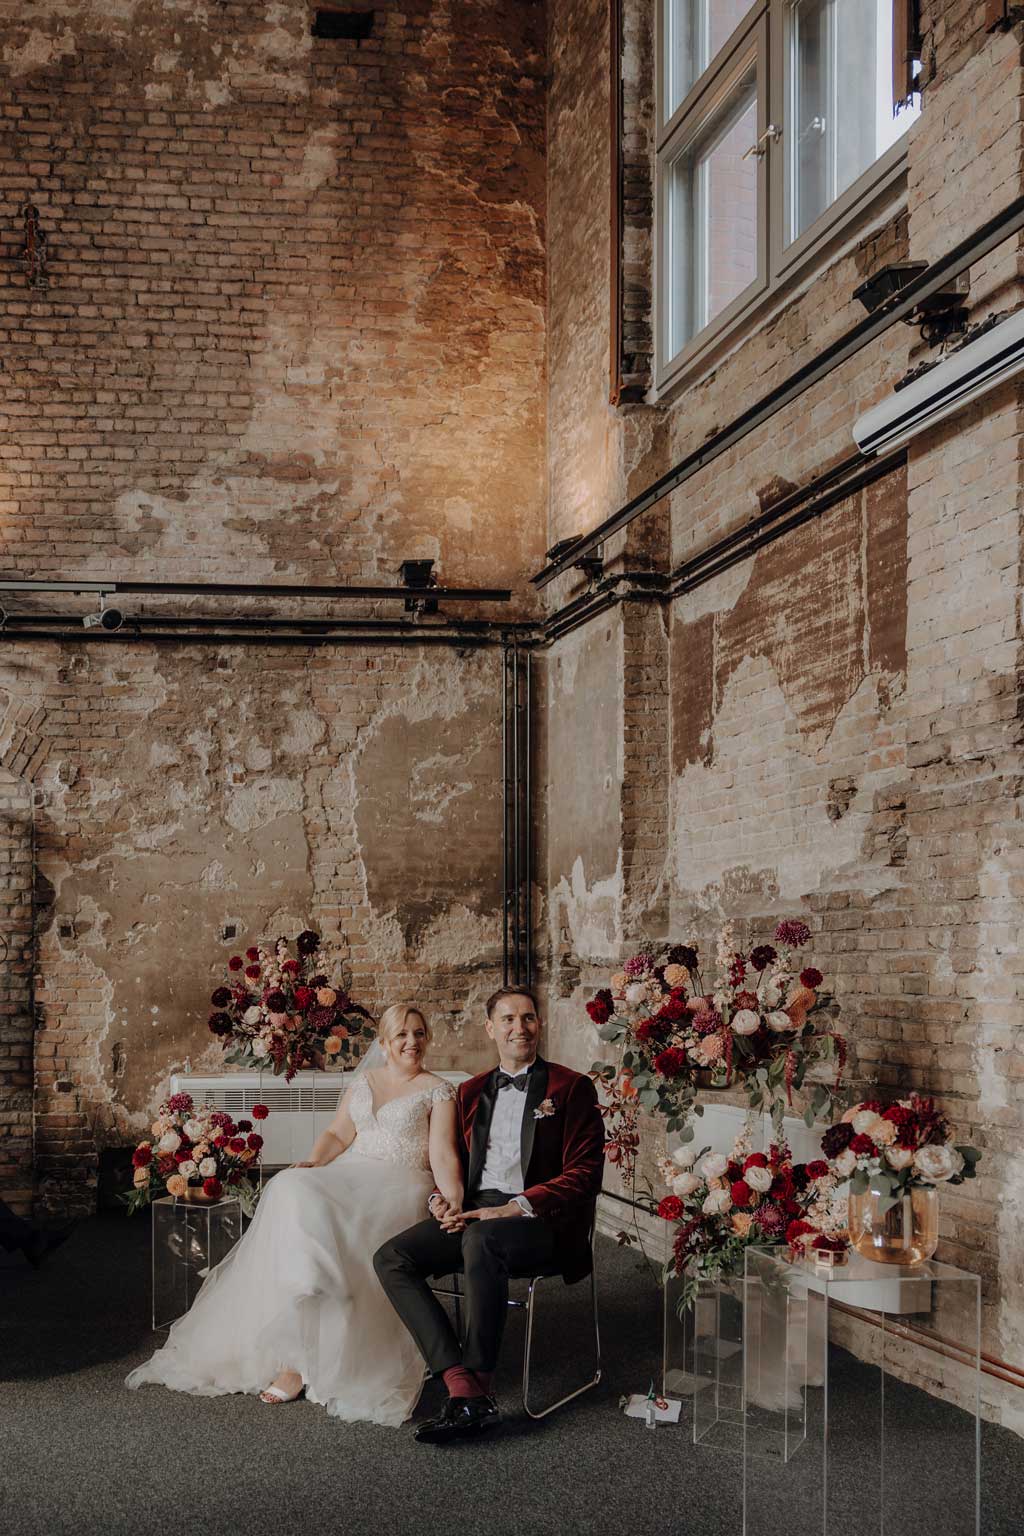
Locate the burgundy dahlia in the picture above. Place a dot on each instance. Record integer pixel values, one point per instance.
(252, 954)
(762, 956)
(792, 932)
(671, 1208)
(670, 1063)
(235, 963)
(811, 977)
(220, 1023)
(771, 1220)
(220, 997)
(307, 942)
(684, 955)
(707, 1022)
(638, 965)
(836, 1139)
(253, 972)
(179, 1103)
(305, 997)
(142, 1156)
(276, 1001)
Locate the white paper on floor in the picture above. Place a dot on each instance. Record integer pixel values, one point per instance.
(636, 1408)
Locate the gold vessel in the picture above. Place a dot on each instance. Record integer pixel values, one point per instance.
(907, 1233)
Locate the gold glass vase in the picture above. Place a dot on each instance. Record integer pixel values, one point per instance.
(195, 1194)
(907, 1233)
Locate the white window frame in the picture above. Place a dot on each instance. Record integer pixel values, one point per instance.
(763, 27)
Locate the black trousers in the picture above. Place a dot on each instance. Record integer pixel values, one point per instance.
(14, 1231)
(486, 1252)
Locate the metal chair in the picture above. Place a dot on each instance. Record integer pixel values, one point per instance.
(534, 1279)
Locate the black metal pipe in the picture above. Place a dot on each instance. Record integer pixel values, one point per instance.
(504, 815)
(255, 589)
(128, 636)
(900, 307)
(802, 506)
(368, 626)
(529, 823)
(516, 829)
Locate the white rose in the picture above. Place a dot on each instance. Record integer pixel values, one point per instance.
(252, 1015)
(759, 1179)
(684, 1184)
(208, 1167)
(636, 993)
(194, 1130)
(780, 1023)
(772, 993)
(684, 1157)
(745, 1021)
(260, 1048)
(899, 1157)
(846, 1163)
(188, 1170)
(864, 1121)
(170, 1141)
(714, 1165)
(717, 1203)
(937, 1164)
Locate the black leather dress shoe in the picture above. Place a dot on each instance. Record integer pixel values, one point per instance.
(460, 1416)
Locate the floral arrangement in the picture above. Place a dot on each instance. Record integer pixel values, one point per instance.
(754, 1023)
(721, 1205)
(284, 1012)
(890, 1150)
(193, 1146)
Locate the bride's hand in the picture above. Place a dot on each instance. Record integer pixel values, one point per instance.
(304, 1165)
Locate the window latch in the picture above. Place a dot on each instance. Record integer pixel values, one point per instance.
(760, 149)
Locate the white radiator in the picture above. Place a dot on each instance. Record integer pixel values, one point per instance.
(299, 1110)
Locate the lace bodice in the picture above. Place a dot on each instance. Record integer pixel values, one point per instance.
(398, 1132)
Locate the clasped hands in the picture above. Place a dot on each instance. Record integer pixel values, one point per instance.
(453, 1218)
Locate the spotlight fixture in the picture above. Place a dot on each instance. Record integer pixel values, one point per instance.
(418, 576)
(104, 618)
(941, 315)
(592, 566)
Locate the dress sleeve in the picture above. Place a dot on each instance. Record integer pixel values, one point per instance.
(442, 1093)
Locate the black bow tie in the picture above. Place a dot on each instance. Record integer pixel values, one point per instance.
(503, 1080)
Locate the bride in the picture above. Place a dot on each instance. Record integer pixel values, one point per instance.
(297, 1304)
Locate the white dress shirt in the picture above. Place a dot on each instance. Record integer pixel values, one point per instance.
(503, 1161)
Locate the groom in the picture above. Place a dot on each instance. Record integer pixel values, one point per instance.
(531, 1142)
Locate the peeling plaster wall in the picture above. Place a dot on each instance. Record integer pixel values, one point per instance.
(182, 793)
(843, 710)
(294, 331)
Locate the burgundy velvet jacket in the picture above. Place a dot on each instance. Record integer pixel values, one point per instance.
(562, 1152)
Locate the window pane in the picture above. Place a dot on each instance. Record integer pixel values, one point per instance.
(839, 116)
(694, 32)
(712, 217)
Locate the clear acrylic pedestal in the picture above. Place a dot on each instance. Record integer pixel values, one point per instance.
(702, 1359)
(188, 1240)
(844, 1446)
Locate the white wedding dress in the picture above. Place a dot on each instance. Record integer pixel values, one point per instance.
(299, 1290)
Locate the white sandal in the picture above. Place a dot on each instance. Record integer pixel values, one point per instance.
(274, 1395)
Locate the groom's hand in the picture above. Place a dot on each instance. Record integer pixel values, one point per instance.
(493, 1212)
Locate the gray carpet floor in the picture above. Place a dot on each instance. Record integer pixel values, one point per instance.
(79, 1453)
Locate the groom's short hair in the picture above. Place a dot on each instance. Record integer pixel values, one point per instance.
(511, 991)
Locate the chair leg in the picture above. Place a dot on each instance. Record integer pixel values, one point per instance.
(542, 1413)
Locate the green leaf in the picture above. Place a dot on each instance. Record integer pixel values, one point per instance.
(859, 1182)
(809, 1118)
(610, 1032)
(649, 1099)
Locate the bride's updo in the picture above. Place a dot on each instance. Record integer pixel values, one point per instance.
(393, 1019)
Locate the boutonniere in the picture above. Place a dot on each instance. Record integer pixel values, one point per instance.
(544, 1108)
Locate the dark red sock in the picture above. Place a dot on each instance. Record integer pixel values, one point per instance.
(485, 1378)
(462, 1383)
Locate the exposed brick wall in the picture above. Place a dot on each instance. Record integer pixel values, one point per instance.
(844, 707)
(295, 314)
(294, 331)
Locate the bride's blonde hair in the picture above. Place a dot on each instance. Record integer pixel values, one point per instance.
(393, 1018)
